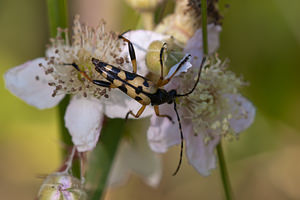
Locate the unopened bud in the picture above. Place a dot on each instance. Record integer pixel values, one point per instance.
(171, 55)
(61, 186)
(144, 5)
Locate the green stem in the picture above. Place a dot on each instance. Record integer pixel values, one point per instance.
(58, 17)
(103, 156)
(148, 20)
(224, 172)
(222, 163)
(57, 14)
(204, 25)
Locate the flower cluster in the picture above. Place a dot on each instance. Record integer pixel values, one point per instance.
(215, 108)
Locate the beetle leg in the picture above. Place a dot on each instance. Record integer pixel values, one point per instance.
(156, 109)
(131, 53)
(161, 83)
(141, 110)
(161, 78)
(104, 84)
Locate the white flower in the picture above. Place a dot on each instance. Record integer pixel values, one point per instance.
(213, 110)
(43, 82)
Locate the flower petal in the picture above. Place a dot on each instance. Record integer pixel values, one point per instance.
(243, 112)
(162, 133)
(141, 40)
(184, 68)
(29, 82)
(118, 105)
(83, 119)
(194, 45)
(201, 156)
(136, 156)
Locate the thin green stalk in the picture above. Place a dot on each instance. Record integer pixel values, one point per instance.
(57, 14)
(224, 172)
(222, 163)
(204, 25)
(58, 17)
(148, 20)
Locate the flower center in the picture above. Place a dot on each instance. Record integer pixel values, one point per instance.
(207, 107)
(87, 43)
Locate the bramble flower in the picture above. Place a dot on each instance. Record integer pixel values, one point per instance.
(43, 82)
(214, 110)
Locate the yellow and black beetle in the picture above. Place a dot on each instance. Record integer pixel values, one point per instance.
(140, 88)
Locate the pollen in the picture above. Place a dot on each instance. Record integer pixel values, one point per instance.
(86, 43)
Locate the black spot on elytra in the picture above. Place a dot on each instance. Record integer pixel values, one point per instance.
(123, 88)
(99, 66)
(115, 70)
(138, 89)
(145, 83)
(130, 76)
(138, 98)
(110, 78)
(102, 83)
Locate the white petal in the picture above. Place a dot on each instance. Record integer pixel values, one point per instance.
(141, 40)
(118, 104)
(83, 119)
(194, 45)
(183, 68)
(243, 112)
(136, 157)
(162, 133)
(200, 155)
(50, 52)
(22, 82)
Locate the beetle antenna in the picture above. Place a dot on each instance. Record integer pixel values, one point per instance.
(181, 137)
(196, 83)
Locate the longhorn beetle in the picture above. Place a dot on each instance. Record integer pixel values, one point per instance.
(140, 88)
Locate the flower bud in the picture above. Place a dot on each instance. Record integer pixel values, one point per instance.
(186, 19)
(171, 55)
(144, 5)
(61, 186)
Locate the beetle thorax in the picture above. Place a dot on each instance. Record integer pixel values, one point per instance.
(162, 96)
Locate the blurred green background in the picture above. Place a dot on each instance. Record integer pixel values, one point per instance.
(262, 41)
